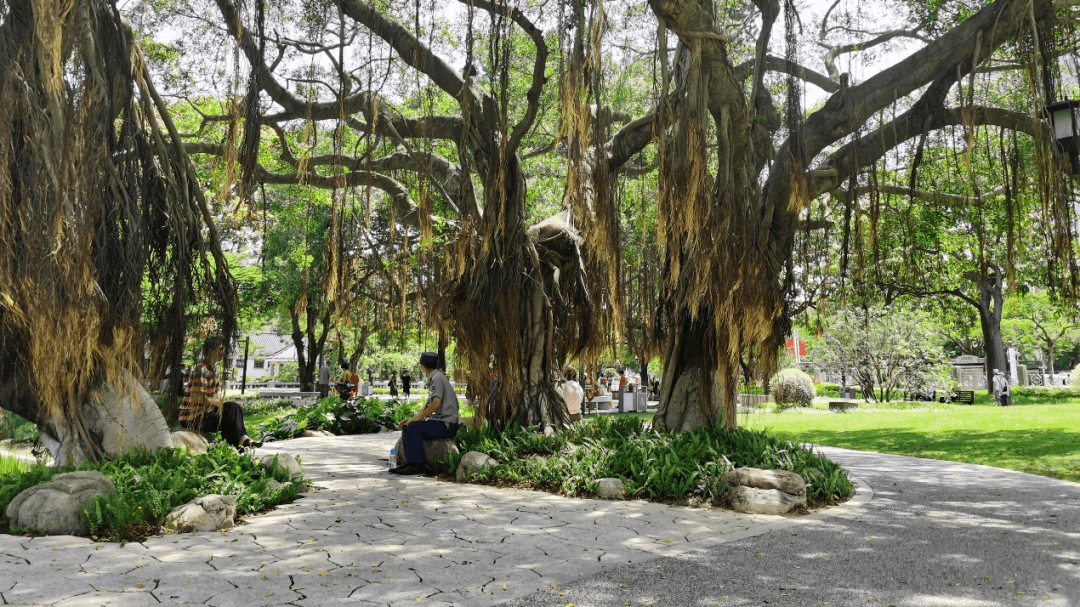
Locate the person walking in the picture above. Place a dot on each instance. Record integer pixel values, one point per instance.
(324, 380)
(393, 384)
(406, 384)
(202, 409)
(438, 418)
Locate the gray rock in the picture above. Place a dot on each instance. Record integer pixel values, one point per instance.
(287, 461)
(470, 463)
(207, 513)
(315, 434)
(763, 501)
(434, 450)
(785, 481)
(55, 507)
(190, 441)
(612, 489)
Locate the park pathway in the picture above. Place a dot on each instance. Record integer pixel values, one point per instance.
(371, 538)
(935, 533)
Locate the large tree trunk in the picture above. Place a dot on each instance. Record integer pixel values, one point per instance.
(115, 417)
(990, 309)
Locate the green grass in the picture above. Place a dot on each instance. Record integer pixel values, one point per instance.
(10, 465)
(1040, 439)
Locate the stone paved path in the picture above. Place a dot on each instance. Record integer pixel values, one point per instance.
(371, 538)
(935, 534)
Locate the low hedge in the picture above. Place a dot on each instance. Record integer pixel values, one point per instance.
(1041, 395)
(680, 467)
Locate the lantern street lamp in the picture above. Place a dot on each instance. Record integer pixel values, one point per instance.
(1065, 120)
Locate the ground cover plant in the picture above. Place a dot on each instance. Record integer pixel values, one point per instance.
(150, 484)
(1037, 438)
(665, 466)
(331, 414)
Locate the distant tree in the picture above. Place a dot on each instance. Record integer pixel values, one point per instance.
(1036, 319)
(888, 350)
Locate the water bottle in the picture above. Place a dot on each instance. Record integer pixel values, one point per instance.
(390, 463)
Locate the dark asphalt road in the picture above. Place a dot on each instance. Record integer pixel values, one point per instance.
(935, 534)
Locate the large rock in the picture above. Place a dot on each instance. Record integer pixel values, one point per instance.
(785, 481)
(612, 489)
(287, 461)
(470, 463)
(757, 491)
(207, 513)
(189, 440)
(434, 450)
(55, 507)
(763, 501)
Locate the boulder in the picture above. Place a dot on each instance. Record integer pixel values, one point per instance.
(757, 491)
(434, 450)
(207, 513)
(763, 501)
(315, 434)
(470, 463)
(785, 481)
(287, 461)
(55, 507)
(611, 489)
(190, 441)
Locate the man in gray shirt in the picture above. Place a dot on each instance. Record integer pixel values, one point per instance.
(438, 419)
(324, 380)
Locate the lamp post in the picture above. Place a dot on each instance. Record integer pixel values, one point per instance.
(1065, 120)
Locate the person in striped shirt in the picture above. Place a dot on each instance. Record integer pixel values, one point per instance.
(203, 410)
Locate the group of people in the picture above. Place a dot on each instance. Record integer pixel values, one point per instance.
(346, 386)
(204, 411)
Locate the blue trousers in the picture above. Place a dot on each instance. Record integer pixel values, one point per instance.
(414, 435)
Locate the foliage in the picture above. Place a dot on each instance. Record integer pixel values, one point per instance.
(12, 465)
(1074, 378)
(150, 484)
(289, 372)
(331, 414)
(17, 428)
(1034, 320)
(1038, 395)
(661, 466)
(792, 387)
(888, 349)
(832, 390)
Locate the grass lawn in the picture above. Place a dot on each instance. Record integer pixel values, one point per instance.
(1040, 439)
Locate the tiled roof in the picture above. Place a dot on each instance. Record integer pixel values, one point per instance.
(265, 344)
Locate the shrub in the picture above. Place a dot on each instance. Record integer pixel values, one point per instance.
(150, 484)
(1040, 395)
(792, 387)
(357, 416)
(661, 466)
(1074, 378)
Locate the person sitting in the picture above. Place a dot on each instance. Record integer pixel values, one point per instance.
(344, 387)
(202, 410)
(572, 394)
(438, 418)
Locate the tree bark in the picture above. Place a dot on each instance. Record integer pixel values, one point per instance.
(115, 417)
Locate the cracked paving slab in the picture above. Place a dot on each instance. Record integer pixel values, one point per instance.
(369, 538)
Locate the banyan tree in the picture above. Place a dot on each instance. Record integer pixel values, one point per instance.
(438, 123)
(731, 218)
(438, 112)
(106, 245)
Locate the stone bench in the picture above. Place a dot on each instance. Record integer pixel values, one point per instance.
(842, 405)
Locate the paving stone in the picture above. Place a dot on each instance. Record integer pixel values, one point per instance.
(368, 538)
